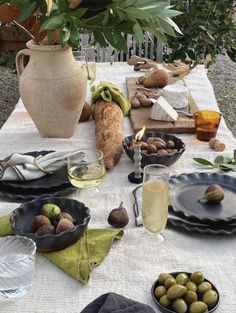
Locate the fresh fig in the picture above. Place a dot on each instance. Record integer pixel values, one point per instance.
(118, 217)
(64, 225)
(65, 215)
(45, 229)
(50, 210)
(86, 113)
(213, 194)
(38, 221)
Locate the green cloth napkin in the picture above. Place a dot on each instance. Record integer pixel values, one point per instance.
(110, 92)
(5, 226)
(79, 259)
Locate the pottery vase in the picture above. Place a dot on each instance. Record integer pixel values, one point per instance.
(52, 87)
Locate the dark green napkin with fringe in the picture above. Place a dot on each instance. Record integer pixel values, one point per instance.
(79, 259)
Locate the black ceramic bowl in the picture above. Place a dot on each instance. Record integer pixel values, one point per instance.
(163, 309)
(22, 218)
(153, 158)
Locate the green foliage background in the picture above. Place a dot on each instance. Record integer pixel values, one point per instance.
(208, 27)
(108, 20)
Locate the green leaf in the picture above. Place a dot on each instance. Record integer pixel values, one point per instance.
(80, 12)
(172, 23)
(26, 12)
(100, 38)
(74, 34)
(232, 54)
(231, 167)
(203, 161)
(53, 23)
(136, 13)
(138, 33)
(106, 18)
(63, 6)
(166, 27)
(222, 160)
(66, 32)
(20, 3)
(126, 3)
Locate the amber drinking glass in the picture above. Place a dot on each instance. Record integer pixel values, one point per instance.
(206, 123)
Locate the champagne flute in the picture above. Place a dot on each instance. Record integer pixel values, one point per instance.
(86, 169)
(155, 198)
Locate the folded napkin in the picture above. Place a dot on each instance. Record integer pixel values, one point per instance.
(109, 92)
(79, 259)
(112, 302)
(25, 167)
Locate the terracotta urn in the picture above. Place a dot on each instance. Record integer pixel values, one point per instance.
(52, 87)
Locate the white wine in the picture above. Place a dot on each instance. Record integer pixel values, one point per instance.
(86, 176)
(155, 198)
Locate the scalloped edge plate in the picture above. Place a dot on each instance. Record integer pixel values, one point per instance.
(177, 182)
(203, 229)
(64, 190)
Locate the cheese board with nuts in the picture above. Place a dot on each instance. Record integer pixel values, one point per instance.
(170, 109)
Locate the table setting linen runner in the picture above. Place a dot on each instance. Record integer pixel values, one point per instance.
(135, 262)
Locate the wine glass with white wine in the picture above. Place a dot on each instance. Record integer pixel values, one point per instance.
(86, 169)
(155, 199)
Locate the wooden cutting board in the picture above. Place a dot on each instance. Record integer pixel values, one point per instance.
(140, 117)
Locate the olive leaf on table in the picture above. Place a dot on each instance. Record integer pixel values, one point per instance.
(221, 162)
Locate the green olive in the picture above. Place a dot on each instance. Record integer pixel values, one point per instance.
(180, 306)
(160, 291)
(176, 291)
(197, 278)
(191, 286)
(197, 307)
(190, 297)
(203, 287)
(210, 297)
(163, 277)
(165, 301)
(170, 282)
(182, 278)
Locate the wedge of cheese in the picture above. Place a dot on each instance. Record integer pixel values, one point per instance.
(162, 111)
(176, 95)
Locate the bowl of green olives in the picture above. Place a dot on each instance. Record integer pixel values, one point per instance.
(182, 292)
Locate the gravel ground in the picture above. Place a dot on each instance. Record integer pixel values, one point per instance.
(222, 75)
(9, 93)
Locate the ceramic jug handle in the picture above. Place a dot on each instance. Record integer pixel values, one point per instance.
(20, 60)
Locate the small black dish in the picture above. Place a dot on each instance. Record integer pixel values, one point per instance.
(22, 218)
(153, 158)
(211, 308)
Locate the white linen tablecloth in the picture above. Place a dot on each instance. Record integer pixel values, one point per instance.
(134, 262)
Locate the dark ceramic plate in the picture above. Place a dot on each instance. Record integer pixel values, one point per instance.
(186, 189)
(23, 194)
(153, 158)
(228, 229)
(57, 179)
(211, 308)
(22, 218)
